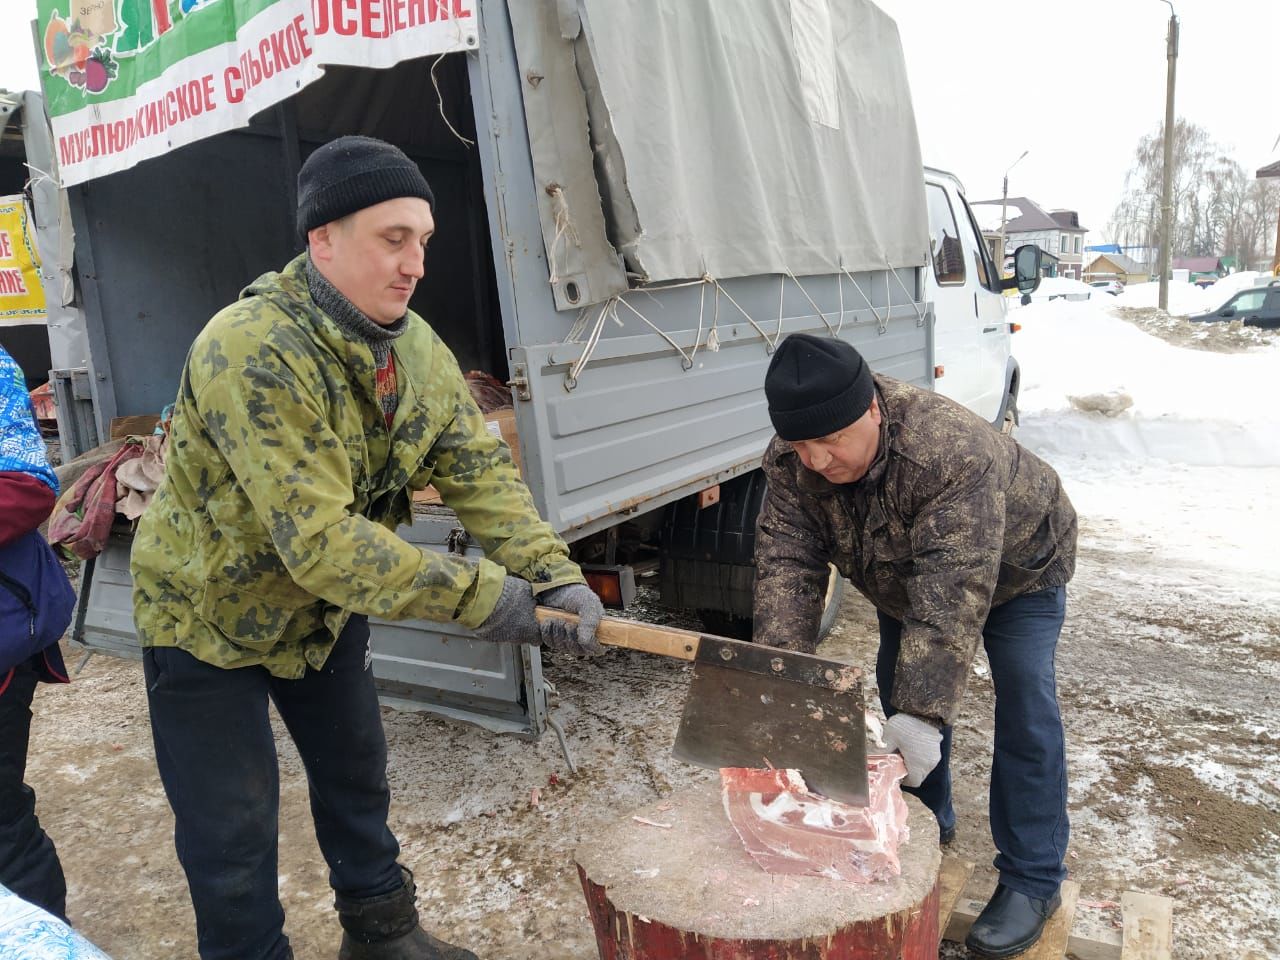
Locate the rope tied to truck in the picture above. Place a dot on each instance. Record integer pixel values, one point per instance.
(609, 310)
(435, 82)
(564, 228)
(834, 331)
(882, 323)
(920, 314)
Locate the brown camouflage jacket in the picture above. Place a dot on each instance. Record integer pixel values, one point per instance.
(951, 519)
(283, 489)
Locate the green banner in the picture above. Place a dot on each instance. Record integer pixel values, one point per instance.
(125, 80)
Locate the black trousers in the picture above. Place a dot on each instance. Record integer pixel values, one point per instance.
(28, 861)
(217, 760)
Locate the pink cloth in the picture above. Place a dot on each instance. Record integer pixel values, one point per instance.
(82, 520)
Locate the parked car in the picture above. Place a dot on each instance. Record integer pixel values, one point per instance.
(1254, 307)
(1112, 286)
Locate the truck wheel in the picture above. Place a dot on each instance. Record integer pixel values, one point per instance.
(1010, 416)
(740, 628)
(708, 563)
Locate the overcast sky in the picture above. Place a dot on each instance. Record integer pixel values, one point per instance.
(1076, 84)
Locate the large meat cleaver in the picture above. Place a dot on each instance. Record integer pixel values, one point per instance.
(755, 706)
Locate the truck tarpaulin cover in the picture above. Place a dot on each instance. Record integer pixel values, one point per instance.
(125, 80)
(723, 137)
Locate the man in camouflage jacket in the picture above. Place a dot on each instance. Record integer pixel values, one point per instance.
(307, 413)
(956, 534)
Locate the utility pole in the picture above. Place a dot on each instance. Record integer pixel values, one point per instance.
(1166, 194)
(1004, 200)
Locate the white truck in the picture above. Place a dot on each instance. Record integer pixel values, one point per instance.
(972, 332)
(635, 202)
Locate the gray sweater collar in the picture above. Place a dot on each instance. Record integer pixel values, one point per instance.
(349, 318)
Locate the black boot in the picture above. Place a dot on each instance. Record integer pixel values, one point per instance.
(386, 928)
(1009, 924)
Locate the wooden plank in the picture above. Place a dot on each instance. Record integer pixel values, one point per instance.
(1053, 942)
(1092, 935)
(963, 914)
(952, 877)
(1148, 926)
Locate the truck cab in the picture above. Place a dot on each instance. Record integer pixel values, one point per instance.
(973, 359)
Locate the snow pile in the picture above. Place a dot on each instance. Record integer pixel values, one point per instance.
(1186, 299)
(1060, 287)
(1189, 406)
(1189, 468)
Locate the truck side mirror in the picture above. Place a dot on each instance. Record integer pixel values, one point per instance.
(1027, 260)
(1226, 311)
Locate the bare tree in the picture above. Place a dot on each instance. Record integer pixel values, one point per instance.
(1218, 208)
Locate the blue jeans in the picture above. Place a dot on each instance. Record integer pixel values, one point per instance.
(217, 761)
(1028, 806)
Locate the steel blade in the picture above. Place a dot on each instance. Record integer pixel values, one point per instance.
(754, 706)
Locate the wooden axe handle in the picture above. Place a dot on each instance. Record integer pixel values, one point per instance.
(645, 637)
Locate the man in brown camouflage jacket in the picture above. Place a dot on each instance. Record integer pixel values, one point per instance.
(307, 412)
(956, 534)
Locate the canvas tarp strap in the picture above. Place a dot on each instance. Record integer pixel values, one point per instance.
(730, 138)
(583, 265)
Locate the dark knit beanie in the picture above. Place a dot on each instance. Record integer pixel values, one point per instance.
(351, 173)
(816, 386)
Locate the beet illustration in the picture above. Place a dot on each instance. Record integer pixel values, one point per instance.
(99, 70)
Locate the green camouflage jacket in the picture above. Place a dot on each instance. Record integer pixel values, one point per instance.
(283, 489)
(951, 519)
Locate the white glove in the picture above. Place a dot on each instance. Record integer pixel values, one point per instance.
(919, 742)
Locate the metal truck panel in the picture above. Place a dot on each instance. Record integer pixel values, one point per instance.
(418, 665)
(641, 424)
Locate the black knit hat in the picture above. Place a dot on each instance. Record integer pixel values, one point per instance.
(351, 173)
(816, 386)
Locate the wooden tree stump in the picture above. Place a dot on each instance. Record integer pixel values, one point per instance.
(690, 890)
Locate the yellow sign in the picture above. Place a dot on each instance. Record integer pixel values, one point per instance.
(21, 296)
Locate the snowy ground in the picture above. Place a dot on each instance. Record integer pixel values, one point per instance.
(1168, 674)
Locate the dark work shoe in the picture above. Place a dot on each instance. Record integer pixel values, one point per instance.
(386, 928)
(417, 944)
(1009, 924)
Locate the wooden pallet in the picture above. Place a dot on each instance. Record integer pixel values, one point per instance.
(1147, 933)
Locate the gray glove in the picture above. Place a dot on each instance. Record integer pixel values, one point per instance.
(577, 637)
(512, 620)
(919, 742)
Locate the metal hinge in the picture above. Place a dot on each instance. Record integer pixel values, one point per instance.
(519, 382)
(457, 541)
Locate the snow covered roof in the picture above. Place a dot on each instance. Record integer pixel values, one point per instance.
(1031, 216)
(1271, 166)
(1127, 264)
(1068, 219)
(1197, 264)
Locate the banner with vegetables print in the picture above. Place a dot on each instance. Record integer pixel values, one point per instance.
(125, 80)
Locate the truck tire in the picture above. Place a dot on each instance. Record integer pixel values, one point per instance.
(1010, 416)
(708, 560)
(740, 628)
